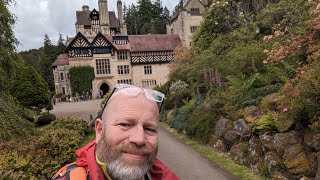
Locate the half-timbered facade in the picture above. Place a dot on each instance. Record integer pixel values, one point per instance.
(140, 60)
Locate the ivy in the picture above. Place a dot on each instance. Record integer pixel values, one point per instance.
(81, 78)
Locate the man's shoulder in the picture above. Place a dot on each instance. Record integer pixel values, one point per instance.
(71, 172)
(160, 171)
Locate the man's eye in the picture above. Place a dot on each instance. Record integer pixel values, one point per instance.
(150, 130)
(126, 125)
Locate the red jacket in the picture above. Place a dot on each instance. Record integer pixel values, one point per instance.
(86, 158)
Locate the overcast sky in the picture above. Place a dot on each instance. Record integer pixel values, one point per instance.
(37, 17)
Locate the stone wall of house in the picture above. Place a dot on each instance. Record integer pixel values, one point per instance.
(160, 73)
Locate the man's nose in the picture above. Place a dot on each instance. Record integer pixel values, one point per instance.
(138, 136)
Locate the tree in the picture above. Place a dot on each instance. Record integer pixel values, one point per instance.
(81, 78)
(48, 56)
(147, 17)
(7, 45)
(29, 88)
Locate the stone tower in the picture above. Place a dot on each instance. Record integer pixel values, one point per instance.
(104, 17)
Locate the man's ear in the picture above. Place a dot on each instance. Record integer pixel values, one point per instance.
(98, 128)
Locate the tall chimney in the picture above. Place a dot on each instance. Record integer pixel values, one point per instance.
(104, 16)
(120, 13)
(85, 8)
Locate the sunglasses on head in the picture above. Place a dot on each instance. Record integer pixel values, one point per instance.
(131, 90)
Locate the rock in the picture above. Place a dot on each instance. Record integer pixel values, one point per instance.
(305, 178)
(217, 143)
(239, 153)
(270, 102)
(212, 140)
(318, 170)
(256, 150)
(222, 126)
(284, 123)
(277, 175)
(296, 160)
(252, 113)
(241, 128)
(312, 139)
(231, 138)
(273, 161)
(267, 141)
(284, 140)
(313, 163)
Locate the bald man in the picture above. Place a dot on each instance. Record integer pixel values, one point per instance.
(126, 141)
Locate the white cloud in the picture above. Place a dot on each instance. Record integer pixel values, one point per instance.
(39, 17)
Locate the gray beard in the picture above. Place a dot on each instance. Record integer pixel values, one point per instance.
(119, 170)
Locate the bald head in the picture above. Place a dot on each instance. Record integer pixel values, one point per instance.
(130, 105)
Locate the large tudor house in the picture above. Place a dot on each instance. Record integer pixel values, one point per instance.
(102, 43)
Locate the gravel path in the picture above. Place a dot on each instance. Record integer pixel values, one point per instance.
(184, 161)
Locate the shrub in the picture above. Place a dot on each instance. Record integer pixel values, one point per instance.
(45, 118)
(266, 122)
(41, 155)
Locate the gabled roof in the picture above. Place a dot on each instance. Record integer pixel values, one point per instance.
(153, 42)
(83, 18)
(139, 43)
(61, 60)
(79, 41)
(184, 9)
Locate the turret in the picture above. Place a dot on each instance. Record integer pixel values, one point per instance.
(120, 13)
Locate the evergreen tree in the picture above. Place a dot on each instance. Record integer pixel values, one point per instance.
(7, 45)
(47, 58)
(29, 88)
(147, 17)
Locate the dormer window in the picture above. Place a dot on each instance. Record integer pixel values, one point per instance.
(195, 12)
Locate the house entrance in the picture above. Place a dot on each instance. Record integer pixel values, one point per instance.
(104, 88)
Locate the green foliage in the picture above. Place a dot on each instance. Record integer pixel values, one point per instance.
(41, 155)
(29, 88)
(81, 78)
(266, 123)
(147, 17)
(12, 123)
(179, 120)
(45, 119)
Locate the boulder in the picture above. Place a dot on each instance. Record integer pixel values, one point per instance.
(283, 141)
(273, 161)
(252, 113)
(239, 153)
(318, 170)
(284, 123)
(217, 143)
(296, 160)
(312, 139)
(267, 141)
(231, 138)
(241, 128)
(222, 126)
(270, 102)
(220, 146)
(278, 175)
(313, 162)
(256, 150)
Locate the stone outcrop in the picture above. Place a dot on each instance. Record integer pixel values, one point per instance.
(285, 155)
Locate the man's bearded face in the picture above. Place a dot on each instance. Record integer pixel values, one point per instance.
(120, 167)
(127, 137)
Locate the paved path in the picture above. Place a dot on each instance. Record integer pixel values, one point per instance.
(184, 161)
